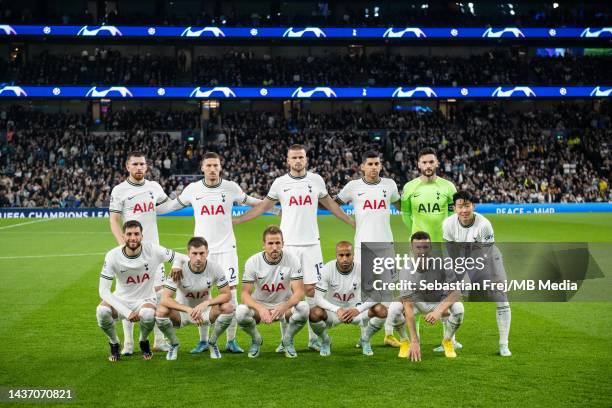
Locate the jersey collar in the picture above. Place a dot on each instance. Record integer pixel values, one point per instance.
(371, 184)
(135, 184)
(209, 186)
(467, 226)
(263, 255)
(198, 273)
(297, 177)
(128, 256)
(345, 273)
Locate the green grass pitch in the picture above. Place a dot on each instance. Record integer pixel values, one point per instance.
(50, 339)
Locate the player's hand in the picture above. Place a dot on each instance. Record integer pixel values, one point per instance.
(350, 315)
(265, 316)
(236, 220)
(341, 312)
(133, 317)
(278, 311)
(196, 312)
(433, 317)
(176, 274)
(353, 223)
(414, 353)
(198, 320)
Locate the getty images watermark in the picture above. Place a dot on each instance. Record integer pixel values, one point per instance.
(487, 272)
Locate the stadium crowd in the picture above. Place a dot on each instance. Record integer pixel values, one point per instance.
(54, 160)
(104, 66)
(321, 13)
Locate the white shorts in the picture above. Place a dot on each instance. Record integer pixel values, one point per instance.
(311, 261)
(333, 320)
(160, 275)
(135, 305)
(186, 319)
(229, 263)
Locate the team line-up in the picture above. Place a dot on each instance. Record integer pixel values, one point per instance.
(287, 281)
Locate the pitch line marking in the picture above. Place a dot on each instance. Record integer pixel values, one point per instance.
(26, 223)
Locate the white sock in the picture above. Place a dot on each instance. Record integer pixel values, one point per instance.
(128, 331)
(231, 330)
(298, 319)
(165, 325)
(453, 321)
(395, 312)
(311, 334)
(374, 325)
(203, 330)
(320, 329)
(504, 317)
(221, 324)
(104, 315)
(147, 322)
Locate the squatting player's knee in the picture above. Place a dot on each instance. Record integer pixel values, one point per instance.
(242, 311)
(104, 313)
(226, 308)
(162, 311)
(147, 315)
(301, 311)
(379, 310)
(316, 314)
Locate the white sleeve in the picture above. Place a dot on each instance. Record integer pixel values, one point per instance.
(447, 230)
(116, 203)
(322, 188)
(249, 274)
(162, 197)
(296, 272)
(220, 278)
(486, 232)
(239, 196)
(345, 195)
(163, 254)
(273, 194)
(170, 284)
(168, 206)
(364, 306)
(324, 303)
(106, 295)
(180, 260)
(184, 198)
(395, 196)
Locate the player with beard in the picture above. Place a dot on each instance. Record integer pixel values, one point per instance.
(426, 202)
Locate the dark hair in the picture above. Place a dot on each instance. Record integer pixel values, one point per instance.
(131, 224)
(370, 154)
(197, 242)
(210, 155)
(420, 235)
(272, 230)
(135, 153)
(297, 147)
(463, 195)
(427, 150)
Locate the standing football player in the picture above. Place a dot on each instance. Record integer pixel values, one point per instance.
(212, 199)
(133, 266)
(468, 226)
(272, 289)
(139, 199)
(425, 203)
(372, 197)
(299, 193)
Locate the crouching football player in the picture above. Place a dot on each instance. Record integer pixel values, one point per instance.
(193, 303)
(272, 289)
(134, 266)
(338, 300)
(433, 304)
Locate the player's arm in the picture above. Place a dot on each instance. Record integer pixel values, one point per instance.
(322, 302)
(415, 347)
(335, 209)
(297, 295)
(168, 205)
(396, 198)
(224, 296)
(170, 302)
(247, 299)
(443, 307)
(265, 205)
(406, 209)
(253, 201)
(104, 290)
(115, 226)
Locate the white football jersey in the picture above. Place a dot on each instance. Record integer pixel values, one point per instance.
(212, 209)
(195, 287)
(372, 204)
(299, 199)
(135, 275)
(340, 288)
(481, 230)
(272, 281)
(138, 202)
